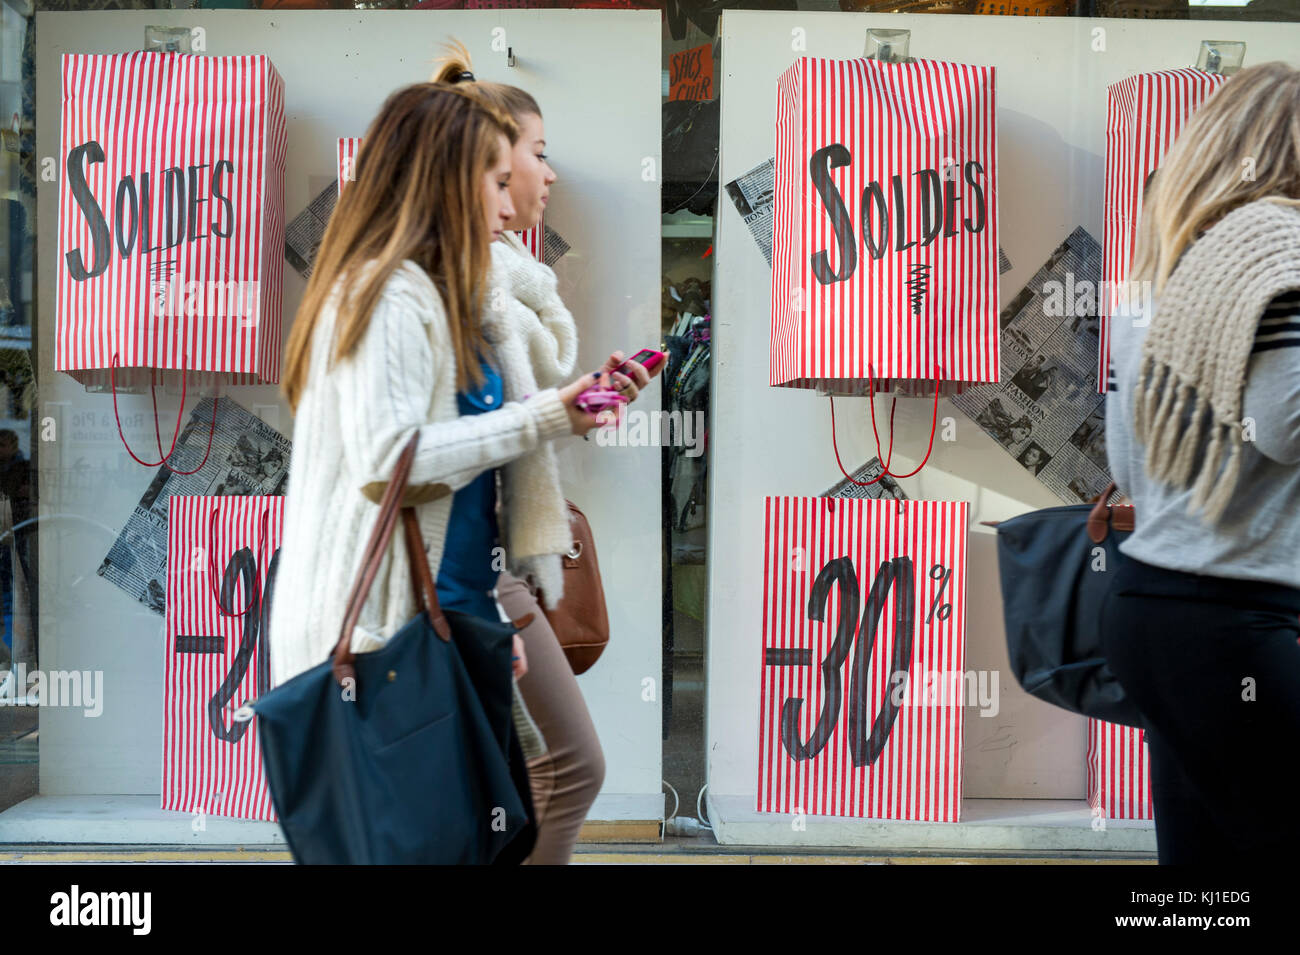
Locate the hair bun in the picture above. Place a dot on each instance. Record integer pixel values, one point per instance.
(464, 77)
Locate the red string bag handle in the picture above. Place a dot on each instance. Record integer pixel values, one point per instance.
(153, 394)
(885, 459)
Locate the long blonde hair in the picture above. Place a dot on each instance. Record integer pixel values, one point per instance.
(417, 195)
(1241, 146)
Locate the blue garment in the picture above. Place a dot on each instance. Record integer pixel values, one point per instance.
(466, 576)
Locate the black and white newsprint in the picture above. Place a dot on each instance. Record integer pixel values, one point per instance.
(753, 194)
(885, 487)
(1046, 410)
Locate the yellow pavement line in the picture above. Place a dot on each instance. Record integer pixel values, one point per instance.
(649, 858)
(174, 855)
(940, 860)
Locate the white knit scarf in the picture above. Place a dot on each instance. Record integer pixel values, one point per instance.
(525, 317)
(1199, 344)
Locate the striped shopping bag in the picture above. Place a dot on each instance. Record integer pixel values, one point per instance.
(1144, 115)
(348, 151)
(349, 146)
(863, 658)
(1119, 772)
(171, 216)
(222, 556)
(885, 241)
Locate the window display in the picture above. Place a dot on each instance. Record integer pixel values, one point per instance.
(936, 201)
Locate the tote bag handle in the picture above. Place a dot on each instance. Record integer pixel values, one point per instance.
(382, 533)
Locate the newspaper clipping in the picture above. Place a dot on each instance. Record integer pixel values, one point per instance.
(752, 194)
(553, 246)
(885, 487)
(248, 457)
(1046, 410)
(303, 236)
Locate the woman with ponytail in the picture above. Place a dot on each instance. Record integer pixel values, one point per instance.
(1203, 433)
(524, 311)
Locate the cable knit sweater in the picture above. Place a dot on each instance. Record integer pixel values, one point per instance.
(352, 423)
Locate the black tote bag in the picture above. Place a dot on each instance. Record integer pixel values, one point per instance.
(405, 755)
(1056, 566)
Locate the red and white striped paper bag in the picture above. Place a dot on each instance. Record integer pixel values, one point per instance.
(1119, 772)
(171, 215)
(863, 657)
(534, 240)
(348, 149)
(885, 241)
(1144, 115)
(217, 661)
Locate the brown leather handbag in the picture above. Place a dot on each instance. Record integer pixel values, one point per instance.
(580, 620)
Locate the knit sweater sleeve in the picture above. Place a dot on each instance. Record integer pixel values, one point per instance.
(404, 361)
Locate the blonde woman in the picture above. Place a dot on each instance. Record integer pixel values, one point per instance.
(391, 339)
(568, 776)
(1203, 433)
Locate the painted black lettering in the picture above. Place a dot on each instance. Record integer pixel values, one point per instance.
(85, 200)
(819, 167)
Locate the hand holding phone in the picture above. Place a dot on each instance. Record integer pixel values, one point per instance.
(647, 358)
(596, 392)
(630, 375)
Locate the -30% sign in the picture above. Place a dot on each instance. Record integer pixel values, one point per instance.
(856, 635)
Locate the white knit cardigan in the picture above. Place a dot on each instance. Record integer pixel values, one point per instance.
(353, 421)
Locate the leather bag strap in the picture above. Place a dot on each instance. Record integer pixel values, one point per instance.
(1103, 516)
(421, 576)
(380, 536)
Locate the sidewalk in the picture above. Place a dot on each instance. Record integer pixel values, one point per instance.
(698, 850)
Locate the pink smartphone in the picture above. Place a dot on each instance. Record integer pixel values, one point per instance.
(596, 399)
(648, 357)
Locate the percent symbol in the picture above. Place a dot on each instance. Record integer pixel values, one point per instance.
(943, 575)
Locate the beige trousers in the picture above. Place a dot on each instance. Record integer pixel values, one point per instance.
(567, 777)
